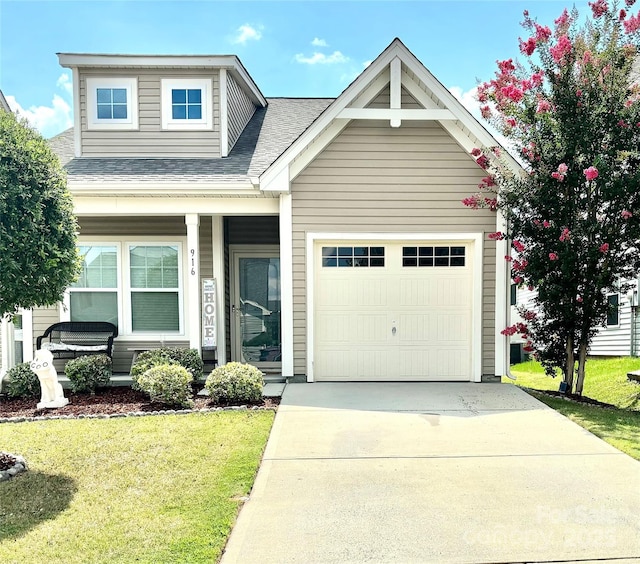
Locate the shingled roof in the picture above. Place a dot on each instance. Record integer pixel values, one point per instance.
(268, 134)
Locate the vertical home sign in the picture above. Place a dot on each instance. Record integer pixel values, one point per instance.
(209, 313)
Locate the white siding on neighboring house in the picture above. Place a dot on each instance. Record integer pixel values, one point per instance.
(609, 341)
(240, 108)
(378, 179)
(151, 140)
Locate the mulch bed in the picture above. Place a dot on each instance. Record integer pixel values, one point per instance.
(110, 401)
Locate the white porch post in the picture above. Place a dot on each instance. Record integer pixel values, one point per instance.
(27, 335)
(286, 285)
(502, 309)
(192, 220)
(217, 234)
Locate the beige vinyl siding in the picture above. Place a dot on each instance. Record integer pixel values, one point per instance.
(240, 108)
(44, 317)
(150, 140)
(374, 178)
(615, 340)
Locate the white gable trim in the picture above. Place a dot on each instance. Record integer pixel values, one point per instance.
(455, 120)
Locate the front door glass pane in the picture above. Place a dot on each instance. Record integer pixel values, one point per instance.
(260, 309)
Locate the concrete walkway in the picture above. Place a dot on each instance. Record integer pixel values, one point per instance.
(415, 473)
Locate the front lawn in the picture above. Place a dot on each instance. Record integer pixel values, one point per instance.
(137, 489)
(605, 380)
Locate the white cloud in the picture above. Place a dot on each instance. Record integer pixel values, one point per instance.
(322, 59)
(317, 42)
(48, 120)
(366, 63)
(64, 82)
(246, 33)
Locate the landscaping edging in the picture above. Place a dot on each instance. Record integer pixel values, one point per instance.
(20, 465)
(136, 413)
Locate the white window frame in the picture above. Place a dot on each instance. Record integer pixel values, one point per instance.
(125, 331)
(203, 84)
(126, 264)
(117, 289)
(613, 325)
(130, 85)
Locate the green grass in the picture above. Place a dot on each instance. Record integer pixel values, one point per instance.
(605, 380)
(618, 427)
(148, 489)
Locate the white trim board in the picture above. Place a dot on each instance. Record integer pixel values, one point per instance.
(476, 239)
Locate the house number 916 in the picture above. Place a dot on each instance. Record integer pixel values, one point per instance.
(193, 261)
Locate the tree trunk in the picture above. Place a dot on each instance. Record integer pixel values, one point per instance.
(569, 368)
(582, 361)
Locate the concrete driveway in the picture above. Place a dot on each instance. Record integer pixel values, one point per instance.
(434, 472)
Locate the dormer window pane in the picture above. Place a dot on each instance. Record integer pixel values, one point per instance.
(186, 103)
(111, 103)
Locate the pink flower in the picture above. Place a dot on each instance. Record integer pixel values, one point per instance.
(543, 33)
(509, 331)
(579, 299)
(486, 182)
(587, 58)
(483, 161)
(491, 203)
(530, 288)
(472, 202)
(560, 173)
(512, 92)
(517, 245)
(629, 3)
(508, 258)
(622, 123)
(546, 224)
(485, 112)
(553, 256)
(511, 122)
(497, 236)
(560, 49)
(632, 24)
(537, 78)
(563, 20)
(476, 152)
(591, 173)
(623, 15)
(543, 106)
(506, 67)
(626, 214)
(578, 93)
(529, 46)
(518, 279)
(599, 8)
(604, 248)
(565, 235)
(529, 315)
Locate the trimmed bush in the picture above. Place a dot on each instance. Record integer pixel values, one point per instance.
(235, 383)
(21, 382)
(167, 383)
(88, 373)
(187, 358)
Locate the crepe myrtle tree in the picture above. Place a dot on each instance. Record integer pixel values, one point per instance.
(571, 108)
(38, 257)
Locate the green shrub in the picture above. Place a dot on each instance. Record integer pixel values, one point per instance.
(88, 373)
(167, 383)
(187, 358)
(21, 382)
(235, 383)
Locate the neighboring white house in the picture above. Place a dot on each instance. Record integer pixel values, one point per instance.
(619, 337)
(333, 226)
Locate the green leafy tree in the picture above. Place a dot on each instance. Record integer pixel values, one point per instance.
(572, 110)
(38, 257)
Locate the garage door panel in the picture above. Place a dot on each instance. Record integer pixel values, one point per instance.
(357, 308)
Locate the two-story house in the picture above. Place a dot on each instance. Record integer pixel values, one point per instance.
(318, 238)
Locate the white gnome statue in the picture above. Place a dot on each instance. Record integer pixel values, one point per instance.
(51, 394)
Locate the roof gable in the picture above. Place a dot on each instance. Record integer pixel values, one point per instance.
(395, 68)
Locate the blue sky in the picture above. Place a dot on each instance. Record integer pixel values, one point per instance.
(290, 48)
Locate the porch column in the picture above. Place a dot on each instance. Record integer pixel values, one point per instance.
(27, 335)
(217, 235)
(6, 344)
(192, 220)
(286, 285)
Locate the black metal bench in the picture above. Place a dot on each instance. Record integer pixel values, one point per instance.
(70, 339)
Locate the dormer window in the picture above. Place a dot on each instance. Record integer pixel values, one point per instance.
(112, 103)
(186, 104)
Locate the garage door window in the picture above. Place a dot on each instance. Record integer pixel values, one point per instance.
(433, 256)
(352, 257)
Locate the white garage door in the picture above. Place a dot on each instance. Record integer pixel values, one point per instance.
(393, 311)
